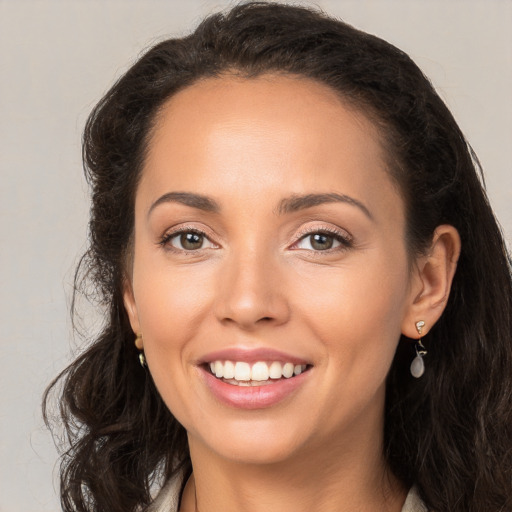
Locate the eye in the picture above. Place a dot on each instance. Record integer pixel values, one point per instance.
(187, 240)
(322, 241)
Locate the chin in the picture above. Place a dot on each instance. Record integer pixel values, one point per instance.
(255, 442)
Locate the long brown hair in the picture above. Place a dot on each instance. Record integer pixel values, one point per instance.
(450, 432)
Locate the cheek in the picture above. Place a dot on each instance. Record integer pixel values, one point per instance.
(357, 312)
(170, 303)
(170, 300)
(357, 320)
(170, 306)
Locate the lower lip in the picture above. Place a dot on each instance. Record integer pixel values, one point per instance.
(254, 397)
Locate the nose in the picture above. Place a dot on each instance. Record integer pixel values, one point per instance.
(251, 293)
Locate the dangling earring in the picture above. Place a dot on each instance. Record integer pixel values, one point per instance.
(140, 346)
(418, 365)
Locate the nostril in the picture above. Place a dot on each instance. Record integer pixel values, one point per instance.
(249, 309)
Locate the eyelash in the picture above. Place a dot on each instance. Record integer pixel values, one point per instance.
(343, 238)
(167, 237)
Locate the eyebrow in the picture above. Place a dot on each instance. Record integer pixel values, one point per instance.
(301, 202)
(198, 201)
(290, 204)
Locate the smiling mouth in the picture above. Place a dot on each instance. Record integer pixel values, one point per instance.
(260, 373)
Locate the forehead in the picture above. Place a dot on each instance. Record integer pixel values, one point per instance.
(234, 98)
(271, 134)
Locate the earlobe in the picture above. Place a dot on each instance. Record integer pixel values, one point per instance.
(432, 281)
(130, 306)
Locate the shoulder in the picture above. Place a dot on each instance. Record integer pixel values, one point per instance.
(413, 502)
(167, 499)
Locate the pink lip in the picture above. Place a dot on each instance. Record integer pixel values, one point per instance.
(251, 356)
(252, 397)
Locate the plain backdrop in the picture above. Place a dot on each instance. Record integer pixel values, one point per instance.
(56, 60)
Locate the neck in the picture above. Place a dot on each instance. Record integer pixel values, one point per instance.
(342, 480)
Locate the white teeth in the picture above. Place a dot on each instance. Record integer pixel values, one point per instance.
(242, 372)
(229, 370)
(219, 369)
(259, 371)
(276, 370)
(288, 370)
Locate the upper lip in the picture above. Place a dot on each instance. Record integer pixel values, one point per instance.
(251, 355)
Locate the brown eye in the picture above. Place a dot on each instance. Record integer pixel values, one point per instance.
(189, 240)
(321, 242)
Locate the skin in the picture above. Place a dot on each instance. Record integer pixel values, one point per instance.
(257, 281)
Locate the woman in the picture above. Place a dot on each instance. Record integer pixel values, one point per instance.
(292, 240)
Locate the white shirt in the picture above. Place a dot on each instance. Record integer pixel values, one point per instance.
(167, 500)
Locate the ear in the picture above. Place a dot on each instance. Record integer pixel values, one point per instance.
(431, 281)
(130, 306)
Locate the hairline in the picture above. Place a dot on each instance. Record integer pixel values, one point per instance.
(360, 107)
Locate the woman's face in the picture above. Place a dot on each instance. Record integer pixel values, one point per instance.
(269, 239)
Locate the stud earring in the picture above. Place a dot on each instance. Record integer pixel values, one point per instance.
(140, 346)
(418, 365)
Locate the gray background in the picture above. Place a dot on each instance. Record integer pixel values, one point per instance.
(56, 60)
